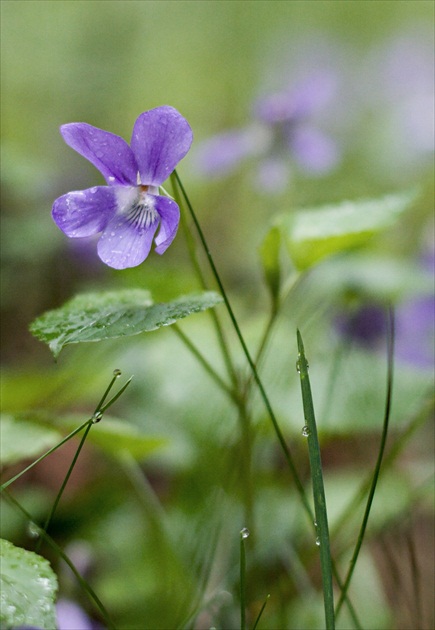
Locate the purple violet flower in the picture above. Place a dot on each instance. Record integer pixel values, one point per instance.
(129, 209)
(283, 131)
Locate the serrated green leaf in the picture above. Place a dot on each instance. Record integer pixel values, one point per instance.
(21, 439)
(313, 234)
(28, 589)
(101, 316)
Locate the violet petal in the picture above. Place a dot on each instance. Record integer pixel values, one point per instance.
(85, 212)
(169, 218)
(161, 138)
(314, 151)
(106, 151)
(124, 244)
(224, 152)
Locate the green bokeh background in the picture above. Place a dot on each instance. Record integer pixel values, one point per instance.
(104, 63)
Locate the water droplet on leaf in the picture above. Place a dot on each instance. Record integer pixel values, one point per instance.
(318, 541)
(305, 431)
(301, 363)
(244, 533)
(117, 373)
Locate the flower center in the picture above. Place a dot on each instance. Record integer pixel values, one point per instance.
(142, 213)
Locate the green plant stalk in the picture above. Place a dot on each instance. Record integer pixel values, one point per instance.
(203, 361)
(63, 486)
(242, 582)
(377, 470)
(98, 413)
(83, 583)
(397, 447)
(30, 466)
(177, 187)
(318, 487)
(288, 457)
(254, 627)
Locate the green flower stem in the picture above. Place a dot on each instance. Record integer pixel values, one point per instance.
(286, 451)
(191, 246)
(318, 487)
(397, 447)
(254, 627)
(203, 361)
(243, 535)
(97, 415)
(63, 486)
(68, 437)
(377, 470)
(83, 583)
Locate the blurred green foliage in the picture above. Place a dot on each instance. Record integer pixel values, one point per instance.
(157, 550)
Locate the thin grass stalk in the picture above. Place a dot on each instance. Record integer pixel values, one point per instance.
(288, 457)
(377, 470)
(396, 448)
(318, 487)
(243, 535)
(63, 486)
(203, 361)
(177, 187)
(254, 627)
(82, 582)
(51, 450)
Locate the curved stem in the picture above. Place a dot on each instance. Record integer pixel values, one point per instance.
(288, 457)
(177, 186)
(376, 473)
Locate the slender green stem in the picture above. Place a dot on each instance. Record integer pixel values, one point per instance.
(30, 466)
(96, 417)
(396, 448)
(310, 430)
(285, 448)
(83, 583)
(64, 483)
(377, 470)
(257, 621)
(203, 361)
(177, 187)
(243, 535)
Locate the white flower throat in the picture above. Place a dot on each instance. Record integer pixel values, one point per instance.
(138, 206)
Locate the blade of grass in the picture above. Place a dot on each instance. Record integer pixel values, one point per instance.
(254, 627)
(244, 533)
(30, 466)
(310, 430)
(377, 470)
(96, 417)
(288, 457)
(83, 583)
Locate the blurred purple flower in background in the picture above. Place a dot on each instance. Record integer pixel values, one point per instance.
(398, 86)
(71, 617)
(284, 133)
(129, 210)
(364, 325)
(414, 339)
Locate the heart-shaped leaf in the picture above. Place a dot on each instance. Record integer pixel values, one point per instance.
(28, 589)
(100, 316)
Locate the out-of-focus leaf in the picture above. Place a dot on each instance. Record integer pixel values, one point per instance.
(100, 316)
(270, 259)
(313, 234)
(28, 589)
(22, 439)
(115, 436)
